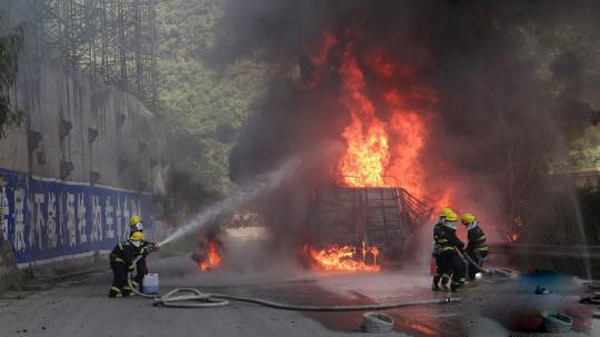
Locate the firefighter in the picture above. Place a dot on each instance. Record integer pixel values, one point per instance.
(440, 274)
(435, 254)
(135, 225)
(477, 249)
(447, 248)
(121, 263)
(144, 248)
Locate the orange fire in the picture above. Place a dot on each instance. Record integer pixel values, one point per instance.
(410, 132)
(213, 259)
(518, 221)
(382, 149)
(329, 40)
(445, 200)
(512, 238)
(367, 148)
(344, 258)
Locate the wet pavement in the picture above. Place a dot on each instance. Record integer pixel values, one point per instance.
(80, 307)
(294, 286)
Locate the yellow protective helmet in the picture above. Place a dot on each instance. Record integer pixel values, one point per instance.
(134, 220)
(136, 236)
(467, 218)
(451, 216)
(445, 212)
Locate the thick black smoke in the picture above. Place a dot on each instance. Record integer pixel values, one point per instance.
(497, 127)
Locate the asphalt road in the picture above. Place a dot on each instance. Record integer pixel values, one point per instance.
(81, 307)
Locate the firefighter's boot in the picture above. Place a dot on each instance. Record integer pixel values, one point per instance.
(127, 292)
(444, 283)
(435, 287)
(456, 285)
(115, 292)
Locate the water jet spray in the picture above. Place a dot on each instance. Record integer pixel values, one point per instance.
(261, 184)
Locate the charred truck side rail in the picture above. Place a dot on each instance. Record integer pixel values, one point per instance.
(385, 217)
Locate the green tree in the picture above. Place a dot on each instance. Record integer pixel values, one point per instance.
(585, 150)
(565, 58)
(199, 99)
(10, 45)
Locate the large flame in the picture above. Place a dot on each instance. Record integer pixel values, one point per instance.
(379, 153)
(213, 258)
(384, 148)
(367, 150)
(344, 258)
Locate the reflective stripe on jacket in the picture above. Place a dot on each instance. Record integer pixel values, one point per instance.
(477, 240)
(445, 238)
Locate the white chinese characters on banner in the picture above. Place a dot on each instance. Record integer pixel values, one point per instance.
(61, 221)
(4, 213)
(70, 219)
(51, 222)
(81, 219)
(108, 215)
(44, 219)
(96, 234)
(38, 222)
(126, 216)
(19, 236)
(119, 220)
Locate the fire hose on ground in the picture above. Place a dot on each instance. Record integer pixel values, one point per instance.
(194, 298)
(466, 258)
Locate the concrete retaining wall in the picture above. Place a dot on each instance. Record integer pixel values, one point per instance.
(87, 157)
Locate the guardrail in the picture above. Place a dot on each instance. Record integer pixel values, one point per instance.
(582, 261)
(546, 250)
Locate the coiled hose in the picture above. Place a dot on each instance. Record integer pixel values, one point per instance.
(194, 298)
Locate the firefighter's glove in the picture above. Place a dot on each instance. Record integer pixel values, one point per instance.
(145, 251)
(153, 246)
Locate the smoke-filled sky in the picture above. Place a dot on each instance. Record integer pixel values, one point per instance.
(492, 126)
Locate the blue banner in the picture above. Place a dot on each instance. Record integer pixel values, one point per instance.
(45, 219)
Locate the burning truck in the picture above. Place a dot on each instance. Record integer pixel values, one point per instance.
(350, 229)
(368, 216)
(361, 229)
(365, 219)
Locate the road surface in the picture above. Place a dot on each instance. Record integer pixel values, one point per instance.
(81, 308)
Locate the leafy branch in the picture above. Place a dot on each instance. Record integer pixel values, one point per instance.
(10, 46)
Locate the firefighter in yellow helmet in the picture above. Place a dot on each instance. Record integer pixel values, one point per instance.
(143, 248)
(135, 226)
(450, 266)
(477, 248)
(439, 272)
(444, 268)
(121, 262)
